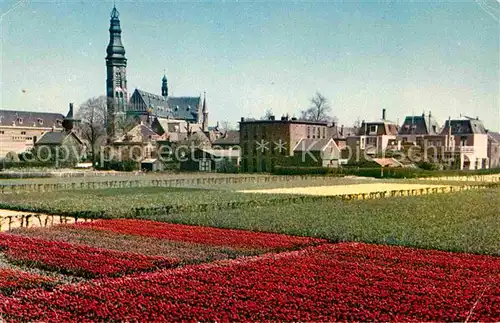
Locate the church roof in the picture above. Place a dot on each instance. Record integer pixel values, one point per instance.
(30, 119)
(184, 108)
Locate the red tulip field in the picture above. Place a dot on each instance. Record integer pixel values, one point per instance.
(251, 277)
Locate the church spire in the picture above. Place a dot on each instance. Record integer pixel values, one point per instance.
(204, 124)
(115, 47)
(164, 85)
(116, 65)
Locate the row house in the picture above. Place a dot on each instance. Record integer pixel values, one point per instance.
(374, 137)
(463, 144)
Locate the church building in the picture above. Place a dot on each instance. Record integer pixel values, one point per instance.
(143, 105)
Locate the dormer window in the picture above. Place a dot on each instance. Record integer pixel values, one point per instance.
(58, 122)
(373, 129)
(20, 120)
(40, 121)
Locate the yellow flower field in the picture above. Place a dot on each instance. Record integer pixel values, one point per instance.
(345, 189)
(14, 219)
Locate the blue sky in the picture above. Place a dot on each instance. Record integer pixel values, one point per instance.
(253, 56)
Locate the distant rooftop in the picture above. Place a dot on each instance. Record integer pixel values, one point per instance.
(285, 120)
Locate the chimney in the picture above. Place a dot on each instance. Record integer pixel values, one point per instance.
(242, 119)
(272, 118)
(70, 112)
(342, 130)
(430, 123)
(383, 114)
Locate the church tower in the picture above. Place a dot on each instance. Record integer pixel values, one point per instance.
(164, 86)
(116, 82)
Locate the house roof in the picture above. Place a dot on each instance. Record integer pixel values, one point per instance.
(387, 162)
(30, 119)
(464, 126)
(149, 160)
(184, 108)
(313, 144)
(223, 152)
(55, 138)
(388, 127)
(139, 133)
(230, 137)
(286, 121)
(495, 136)
(419, 125)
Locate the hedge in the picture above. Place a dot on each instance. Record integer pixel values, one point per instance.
(379, 172)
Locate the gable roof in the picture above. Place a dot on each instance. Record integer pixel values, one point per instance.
(313, 144)
(419, 125)
(30, 119)
(139, 133)
(55, 138)
(230, 137)
(387, 162)
(184, 108)
(463, 127)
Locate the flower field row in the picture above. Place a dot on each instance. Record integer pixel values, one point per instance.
(186, 252)
(14, 280)
(346, 281)
(79, 260)
(201, 235)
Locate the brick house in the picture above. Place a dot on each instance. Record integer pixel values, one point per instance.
(266, 143)
(137, 144)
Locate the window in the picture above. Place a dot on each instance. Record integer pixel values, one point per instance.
(324, 133)
(2, 132)
(23, 132)
(373, 129)
(40, 121)
(20, 120)
(308, 132)
(205, 165)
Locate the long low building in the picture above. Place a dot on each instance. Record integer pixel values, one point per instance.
(19, 130)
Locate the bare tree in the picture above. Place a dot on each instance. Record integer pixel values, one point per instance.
(267, 116)
(226, 125)
(92, 114)
(319, 109)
